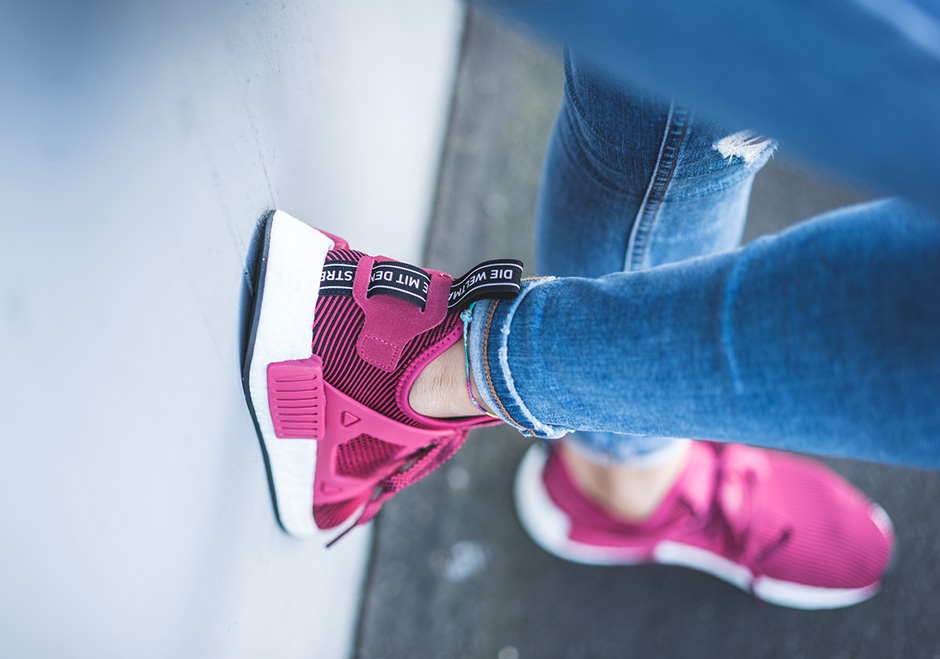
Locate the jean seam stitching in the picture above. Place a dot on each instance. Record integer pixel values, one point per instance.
(487, 370)
(649, 208)
(504, 367)
(504, 364)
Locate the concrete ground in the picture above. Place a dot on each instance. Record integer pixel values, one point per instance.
(453, 575)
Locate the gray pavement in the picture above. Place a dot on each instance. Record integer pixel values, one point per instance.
(453, 575)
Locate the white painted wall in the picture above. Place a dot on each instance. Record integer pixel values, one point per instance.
(139, 144)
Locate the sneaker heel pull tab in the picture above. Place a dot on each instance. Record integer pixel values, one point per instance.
(297, 398)
(500, 279)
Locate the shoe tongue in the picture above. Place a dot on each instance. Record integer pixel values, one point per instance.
(696, 484)
(743, 470)
(723, 466)
(693, 490)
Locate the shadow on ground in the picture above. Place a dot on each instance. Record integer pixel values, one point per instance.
(454, 576)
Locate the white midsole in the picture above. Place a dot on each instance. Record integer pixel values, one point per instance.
(291, 285)
(549, 527)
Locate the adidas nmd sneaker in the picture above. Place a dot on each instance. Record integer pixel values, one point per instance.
(788, 529)
(336, 339)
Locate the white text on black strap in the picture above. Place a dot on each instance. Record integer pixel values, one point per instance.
(491, 279)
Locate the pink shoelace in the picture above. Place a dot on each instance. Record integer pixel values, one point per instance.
(736, 506)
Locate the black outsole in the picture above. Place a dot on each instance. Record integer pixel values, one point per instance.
(255, 269)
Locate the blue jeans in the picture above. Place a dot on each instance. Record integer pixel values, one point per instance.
(850, 85)
(825, 338)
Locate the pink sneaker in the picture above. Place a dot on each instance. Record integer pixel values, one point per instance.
(785, 528)
(337, 338)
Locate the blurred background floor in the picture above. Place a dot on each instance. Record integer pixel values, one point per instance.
(453, 575)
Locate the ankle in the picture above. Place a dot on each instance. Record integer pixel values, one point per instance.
(440, 390)
(631, 495)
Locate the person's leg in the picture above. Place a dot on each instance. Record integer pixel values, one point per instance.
(789, 529)
(632, 181)
(848, 85)
(824, 339)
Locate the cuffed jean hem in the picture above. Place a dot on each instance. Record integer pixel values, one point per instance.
(488, 339)
(488, 343)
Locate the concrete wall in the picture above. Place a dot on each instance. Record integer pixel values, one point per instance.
(140, 142)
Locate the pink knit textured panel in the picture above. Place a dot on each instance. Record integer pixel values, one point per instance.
(361, 456)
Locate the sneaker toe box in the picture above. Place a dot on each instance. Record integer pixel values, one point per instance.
(835, 537)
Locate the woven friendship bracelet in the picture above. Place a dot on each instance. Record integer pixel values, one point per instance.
(466, 315)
